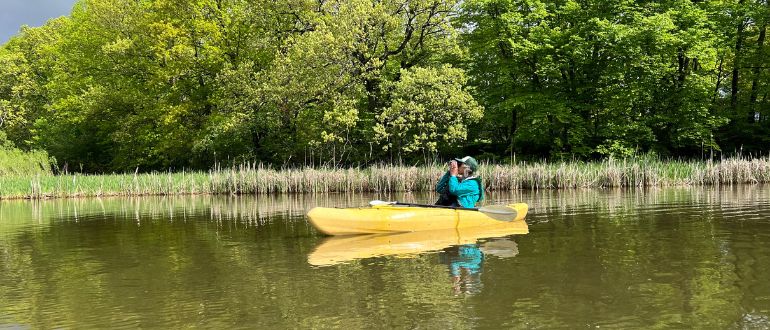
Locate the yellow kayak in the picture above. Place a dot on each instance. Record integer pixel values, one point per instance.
(339, 249)
(403, 218)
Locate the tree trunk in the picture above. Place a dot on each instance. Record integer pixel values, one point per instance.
(736, 62)
(371, 95)
(719, 80)
(512, 128)
(756, 70)
(682, 64)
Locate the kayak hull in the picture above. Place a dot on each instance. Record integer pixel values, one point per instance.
(397, 218)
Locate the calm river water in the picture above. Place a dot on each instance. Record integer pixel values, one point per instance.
(674, 257)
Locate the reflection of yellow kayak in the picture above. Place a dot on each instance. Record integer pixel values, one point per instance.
(340, 249)
(396, 218)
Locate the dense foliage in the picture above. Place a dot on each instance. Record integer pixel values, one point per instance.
(154, 84)
(15, 162)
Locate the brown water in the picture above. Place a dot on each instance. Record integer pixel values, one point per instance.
(680, 257)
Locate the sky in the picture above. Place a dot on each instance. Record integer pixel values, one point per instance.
(15, 13)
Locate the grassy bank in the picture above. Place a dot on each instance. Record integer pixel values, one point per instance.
(14, 162)
(256, 179)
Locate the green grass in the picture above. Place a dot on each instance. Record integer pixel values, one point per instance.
(257, 179)
(16, 162)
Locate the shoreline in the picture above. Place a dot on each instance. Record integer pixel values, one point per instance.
(248, 179)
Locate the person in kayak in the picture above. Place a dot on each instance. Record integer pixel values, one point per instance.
(460, 186)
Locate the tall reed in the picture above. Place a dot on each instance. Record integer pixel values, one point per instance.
(255, 178)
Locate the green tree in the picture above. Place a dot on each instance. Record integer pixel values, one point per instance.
(121, 84)
(428, 106)
(322, 92)
(26, 67)
(588, 78)
(742, 78)
(133, 83)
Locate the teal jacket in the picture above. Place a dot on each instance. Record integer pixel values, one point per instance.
(468, 191)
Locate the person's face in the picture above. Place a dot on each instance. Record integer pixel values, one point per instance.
(462, 167)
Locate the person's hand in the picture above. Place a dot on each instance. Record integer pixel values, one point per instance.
(453, 168)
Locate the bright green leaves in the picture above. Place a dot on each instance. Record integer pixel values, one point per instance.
(27, 64)
(132, 83)
(428, 106)
(162, 83)
(332, 77)
(15, 83)
(172, 83)
(595, 78)
(339, 119)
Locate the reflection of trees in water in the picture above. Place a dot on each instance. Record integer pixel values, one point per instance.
(102, 273)
(675, 257)
(158, 272)
(249, 209)
(632, 201)
(198, 261)
(256, 209)
(652, 258)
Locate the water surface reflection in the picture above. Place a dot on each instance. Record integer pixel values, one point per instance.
(340, 249)
(676, 257)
